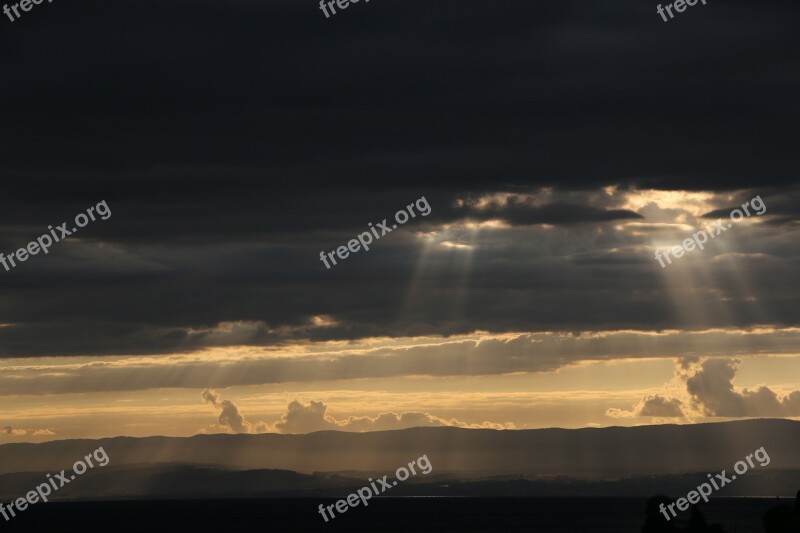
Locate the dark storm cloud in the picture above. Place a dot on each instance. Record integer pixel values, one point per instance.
(518, 212)
(784, 207)
(527, 93)
(235, 142)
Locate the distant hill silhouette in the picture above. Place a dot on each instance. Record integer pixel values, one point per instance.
(603, 461)
(167, 481)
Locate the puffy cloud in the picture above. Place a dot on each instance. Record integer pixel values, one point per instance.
(709, 391)
(654, 406)
(9, 430)
(229, 415)
(386, 421)
(711, 388)
(302, 418)
(305, 418)
(661, 407)
(408, 419)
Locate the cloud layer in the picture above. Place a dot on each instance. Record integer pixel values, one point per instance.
(479, 354)
(541, 138)
(303, 417)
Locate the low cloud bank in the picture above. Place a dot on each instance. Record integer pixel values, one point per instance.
(303, 417)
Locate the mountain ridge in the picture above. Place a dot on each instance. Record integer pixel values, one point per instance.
(583, 452)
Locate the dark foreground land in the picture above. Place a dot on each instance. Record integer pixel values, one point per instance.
(595, 515)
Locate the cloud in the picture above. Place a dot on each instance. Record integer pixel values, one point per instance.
(308, 417)
(305, 418)
(260, 209)
(661, 407)
(475, 354)
(9, 430)
(229, 415)
(542, 271)
(531, 209)
(709, 391)
(654, 406)
(408, 419)
(711, 388)
(302, 418)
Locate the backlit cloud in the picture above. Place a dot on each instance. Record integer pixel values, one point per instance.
(711, 387)
(301, 417)
(17, 432)
(651, 406)
(477, 354)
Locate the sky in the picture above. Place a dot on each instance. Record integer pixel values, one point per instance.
(549, 149)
